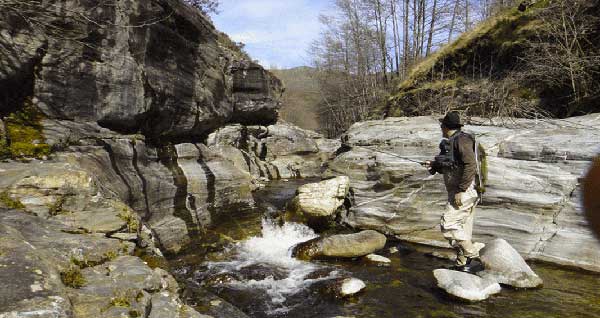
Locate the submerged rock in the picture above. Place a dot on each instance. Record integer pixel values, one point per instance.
(504, 265)
(374, 258)
(319, 202)
(341, 246)
(465, 286)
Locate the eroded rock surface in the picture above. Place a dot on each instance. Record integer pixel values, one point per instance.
(532, 197)
(280, 151)
(152, 66)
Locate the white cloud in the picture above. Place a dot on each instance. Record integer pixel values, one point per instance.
(277, 32)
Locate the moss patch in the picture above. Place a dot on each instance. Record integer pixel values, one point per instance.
(9, 202)
(72, 277)
(153, 261)
(132, 221)
(120, 301)
(24, 132)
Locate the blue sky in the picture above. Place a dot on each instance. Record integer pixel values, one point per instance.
(276, 32)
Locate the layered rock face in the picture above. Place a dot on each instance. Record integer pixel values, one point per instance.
(154, 67)
(532, 198)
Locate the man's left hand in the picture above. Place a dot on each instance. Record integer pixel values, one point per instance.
(458, 199)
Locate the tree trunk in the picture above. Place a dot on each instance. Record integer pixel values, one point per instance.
(453, 20)
(431, 27)
(416, 24)
(396, 36)
(467, 17)
(381, 35)
(406, 39)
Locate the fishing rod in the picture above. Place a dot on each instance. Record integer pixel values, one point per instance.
(422, 163)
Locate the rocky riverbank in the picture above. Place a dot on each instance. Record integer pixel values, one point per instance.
(141, 137)
(532, 198)
(134, 140)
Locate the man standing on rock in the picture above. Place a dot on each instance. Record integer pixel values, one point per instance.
(457, 162)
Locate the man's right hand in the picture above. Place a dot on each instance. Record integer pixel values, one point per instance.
(429, 166)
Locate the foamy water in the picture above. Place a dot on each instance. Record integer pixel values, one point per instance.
(272, 250)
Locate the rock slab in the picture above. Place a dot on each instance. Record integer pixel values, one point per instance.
(532, 199)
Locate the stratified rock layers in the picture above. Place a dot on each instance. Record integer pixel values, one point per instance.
(532, 199)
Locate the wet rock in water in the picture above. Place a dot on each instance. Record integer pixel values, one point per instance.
(260, 272)
(341, 246)
(506, 266)
(321, 201)
(219, 279)
(342, 287)
(351, 286)
(374, 258)
(320, 274)
(465, 286)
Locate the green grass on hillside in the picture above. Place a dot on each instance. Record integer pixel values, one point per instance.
(491, 48)
(500, 33)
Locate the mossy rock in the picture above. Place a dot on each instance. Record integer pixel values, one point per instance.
(7, 201)
(72, 277)
(24, 134)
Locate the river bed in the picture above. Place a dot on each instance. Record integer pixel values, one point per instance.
(246, 261)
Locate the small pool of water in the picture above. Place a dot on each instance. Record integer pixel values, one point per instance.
(246, 261)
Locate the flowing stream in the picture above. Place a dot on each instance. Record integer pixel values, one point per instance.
(246, 261)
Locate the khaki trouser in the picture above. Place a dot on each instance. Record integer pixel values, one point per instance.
(457, 224)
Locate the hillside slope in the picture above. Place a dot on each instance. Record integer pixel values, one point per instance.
(513, 64)
(301, 97)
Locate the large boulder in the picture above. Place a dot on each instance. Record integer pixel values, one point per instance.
(321, 200)
(159, 67)
(504, 264)
(465, 286)
(340, 246)
(532, 197)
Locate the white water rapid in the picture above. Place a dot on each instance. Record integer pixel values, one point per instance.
(269, 258)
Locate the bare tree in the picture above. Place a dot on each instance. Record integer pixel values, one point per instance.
(206, 6)
(563, 55)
